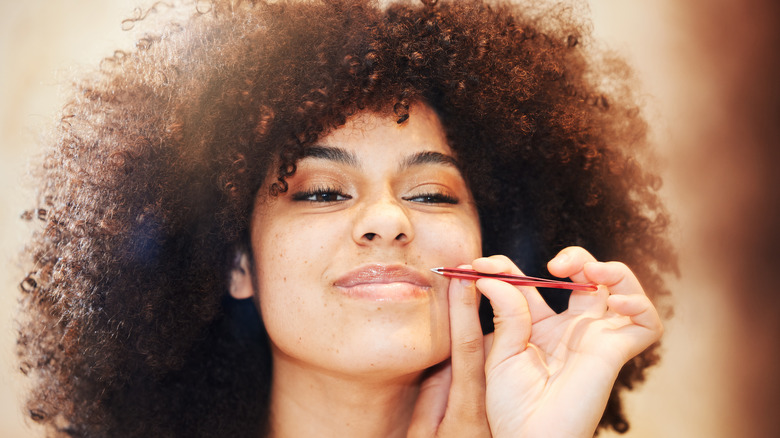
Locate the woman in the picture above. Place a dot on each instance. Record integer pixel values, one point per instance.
(312, 161)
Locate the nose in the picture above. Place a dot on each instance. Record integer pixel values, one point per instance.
(383, 221)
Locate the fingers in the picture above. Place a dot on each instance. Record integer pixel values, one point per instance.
(512, 320)
(579, 265)
(466, 335)
(619, 292)
(627, 296)
(639, 309)
(615, 275)
(466, 402)
(501, 264)
(452, 397)
(431, 402)
(570, 263)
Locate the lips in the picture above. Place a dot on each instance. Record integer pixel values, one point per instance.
(384, 282)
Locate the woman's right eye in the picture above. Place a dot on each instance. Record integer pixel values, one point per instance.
(321, 195)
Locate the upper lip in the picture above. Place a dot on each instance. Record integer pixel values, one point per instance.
(380, 273)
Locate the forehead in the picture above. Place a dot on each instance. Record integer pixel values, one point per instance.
(377, 133)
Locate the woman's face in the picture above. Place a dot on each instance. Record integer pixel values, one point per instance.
(342, 259)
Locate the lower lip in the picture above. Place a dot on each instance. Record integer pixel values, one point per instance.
(398, 291)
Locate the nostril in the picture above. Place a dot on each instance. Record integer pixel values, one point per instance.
(369, 236)
(401, 236)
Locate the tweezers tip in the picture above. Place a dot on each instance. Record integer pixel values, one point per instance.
(437, 270)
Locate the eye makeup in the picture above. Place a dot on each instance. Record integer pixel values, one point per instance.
(321, 194)
(432, 198)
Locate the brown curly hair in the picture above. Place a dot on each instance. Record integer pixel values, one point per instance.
(146, 191)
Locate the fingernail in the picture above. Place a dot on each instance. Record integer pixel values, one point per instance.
(465, 292)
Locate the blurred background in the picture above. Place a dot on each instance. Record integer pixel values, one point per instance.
(709, 71)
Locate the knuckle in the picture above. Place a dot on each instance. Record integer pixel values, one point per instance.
(575, 250)
(470, 412)
(474, 415)
(618, 272)
(470, 298)
(501, 257)
(509, 265)
(503, 260)
(465, 429)
(619, 266)
(470, 345)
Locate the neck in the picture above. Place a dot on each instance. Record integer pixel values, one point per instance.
(312, 402)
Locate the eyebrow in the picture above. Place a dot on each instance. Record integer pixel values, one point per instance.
(330, 153)
(346, 157)
(429, 157)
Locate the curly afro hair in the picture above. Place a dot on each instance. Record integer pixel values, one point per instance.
(147, 187)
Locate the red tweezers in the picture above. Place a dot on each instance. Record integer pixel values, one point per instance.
(517, 280)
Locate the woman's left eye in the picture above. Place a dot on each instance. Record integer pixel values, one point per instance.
(432, 198)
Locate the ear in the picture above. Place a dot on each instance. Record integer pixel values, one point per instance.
(241, 278)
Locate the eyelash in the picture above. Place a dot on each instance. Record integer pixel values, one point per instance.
(433, 198)
(321, 195)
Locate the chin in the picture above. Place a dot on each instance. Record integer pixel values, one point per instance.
(371, 354)
(381, 364)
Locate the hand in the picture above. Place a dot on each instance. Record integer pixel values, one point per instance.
(544, 374)
(451, 402)
(556, 381)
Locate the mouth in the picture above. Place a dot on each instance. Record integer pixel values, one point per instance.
(381, 282)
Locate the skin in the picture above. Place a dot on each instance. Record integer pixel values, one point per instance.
(407, 357)
(377, 208)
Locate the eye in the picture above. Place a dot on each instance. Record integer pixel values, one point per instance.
(321, 194)
(432, 198)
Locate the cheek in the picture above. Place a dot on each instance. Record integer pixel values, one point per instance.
(287, 264)
(290, 255)
(455, 240)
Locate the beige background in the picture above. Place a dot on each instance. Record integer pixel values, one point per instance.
(708, 70)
